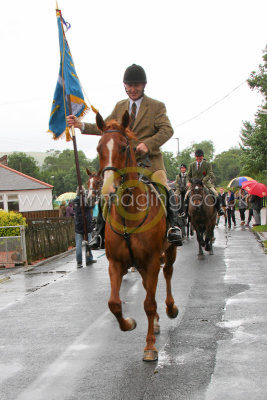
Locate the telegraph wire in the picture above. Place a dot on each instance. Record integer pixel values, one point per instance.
(211, 106)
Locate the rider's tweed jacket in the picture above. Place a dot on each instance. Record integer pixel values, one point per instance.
(204, 172)
(152, 127)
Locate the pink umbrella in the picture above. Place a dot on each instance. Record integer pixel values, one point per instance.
(256, 188)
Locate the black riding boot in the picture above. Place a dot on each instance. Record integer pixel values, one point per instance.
(218, 207)
(98, 240)
(174, 234)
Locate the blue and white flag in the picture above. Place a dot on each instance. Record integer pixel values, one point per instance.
(67, 85)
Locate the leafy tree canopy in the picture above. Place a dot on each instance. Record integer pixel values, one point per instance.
(254, 135)
(59, 170)
(24, 163)
(227, 165)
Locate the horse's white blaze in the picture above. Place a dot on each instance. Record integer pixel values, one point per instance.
(108, 175)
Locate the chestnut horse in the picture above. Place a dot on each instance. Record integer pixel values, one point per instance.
(94, 185)
(202, 214)
(135, 228)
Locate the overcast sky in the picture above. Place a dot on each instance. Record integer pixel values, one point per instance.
(194, 53)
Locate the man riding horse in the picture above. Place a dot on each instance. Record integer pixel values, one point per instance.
(201, 169)
(152, 128)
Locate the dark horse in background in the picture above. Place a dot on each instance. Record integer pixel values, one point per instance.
(203, 214)
(135, 228)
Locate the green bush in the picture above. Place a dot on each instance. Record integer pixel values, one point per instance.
(11, 218)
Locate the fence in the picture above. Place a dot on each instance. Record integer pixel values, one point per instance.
(48, 236)
(40, 214)
(12, 248)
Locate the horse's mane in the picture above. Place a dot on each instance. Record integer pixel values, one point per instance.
(113, 124)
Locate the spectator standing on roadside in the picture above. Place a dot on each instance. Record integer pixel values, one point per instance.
(230, 208)
(69, 210)
(250, 210)
(79, 229)
(242, 205)
(62, 209)
(256, 205)
(222, 199)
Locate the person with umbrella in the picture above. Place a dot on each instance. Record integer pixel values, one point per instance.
(257, 190)
(256, 205)
(242, 205)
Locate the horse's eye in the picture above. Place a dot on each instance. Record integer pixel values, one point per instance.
(122, 149)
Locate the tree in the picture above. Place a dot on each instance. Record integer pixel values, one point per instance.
(60, 171)
(254, 135)
(171, 164)
(227, 165)
(23, 163)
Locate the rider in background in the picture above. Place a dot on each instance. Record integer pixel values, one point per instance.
(180, 184)
(201, 169)
(151, 125)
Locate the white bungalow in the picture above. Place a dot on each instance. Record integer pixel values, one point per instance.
(20, 192)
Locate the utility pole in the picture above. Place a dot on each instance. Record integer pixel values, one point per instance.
(178, 150)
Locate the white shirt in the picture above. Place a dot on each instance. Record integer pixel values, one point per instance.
(138, 104)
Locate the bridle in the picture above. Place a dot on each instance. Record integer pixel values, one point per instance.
(128, 156)
(197, 196)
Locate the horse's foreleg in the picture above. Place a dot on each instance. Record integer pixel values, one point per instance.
(200, 242)
(150, 280)
(156, 318)
(171, 309)
(116, 274)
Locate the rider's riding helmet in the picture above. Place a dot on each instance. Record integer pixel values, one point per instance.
(199, 153)
(183, 165)
(134, 74)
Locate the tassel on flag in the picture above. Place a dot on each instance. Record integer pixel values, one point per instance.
(67, 85)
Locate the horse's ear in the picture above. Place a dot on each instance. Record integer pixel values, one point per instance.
(100, 122)
(125, 120)
(88, 172)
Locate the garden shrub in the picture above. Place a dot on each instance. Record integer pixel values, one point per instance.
(11, 218)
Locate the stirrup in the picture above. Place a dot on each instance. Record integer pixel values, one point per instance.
(96, 241)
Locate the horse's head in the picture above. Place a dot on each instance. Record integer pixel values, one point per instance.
(94, 185)
(115, 151)
(197, 192)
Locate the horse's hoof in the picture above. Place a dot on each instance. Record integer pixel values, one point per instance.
(211, 252)
(156, 327)
(173, 312)
(150, 355)
(132, 323)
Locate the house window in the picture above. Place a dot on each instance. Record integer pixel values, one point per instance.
(12, 203)
(1, 202)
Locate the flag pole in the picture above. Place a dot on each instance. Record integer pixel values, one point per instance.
(78, 172)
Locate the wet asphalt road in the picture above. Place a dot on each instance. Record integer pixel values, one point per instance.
(59, 340)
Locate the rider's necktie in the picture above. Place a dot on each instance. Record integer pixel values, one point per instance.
(133, 115)
(198, 165)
